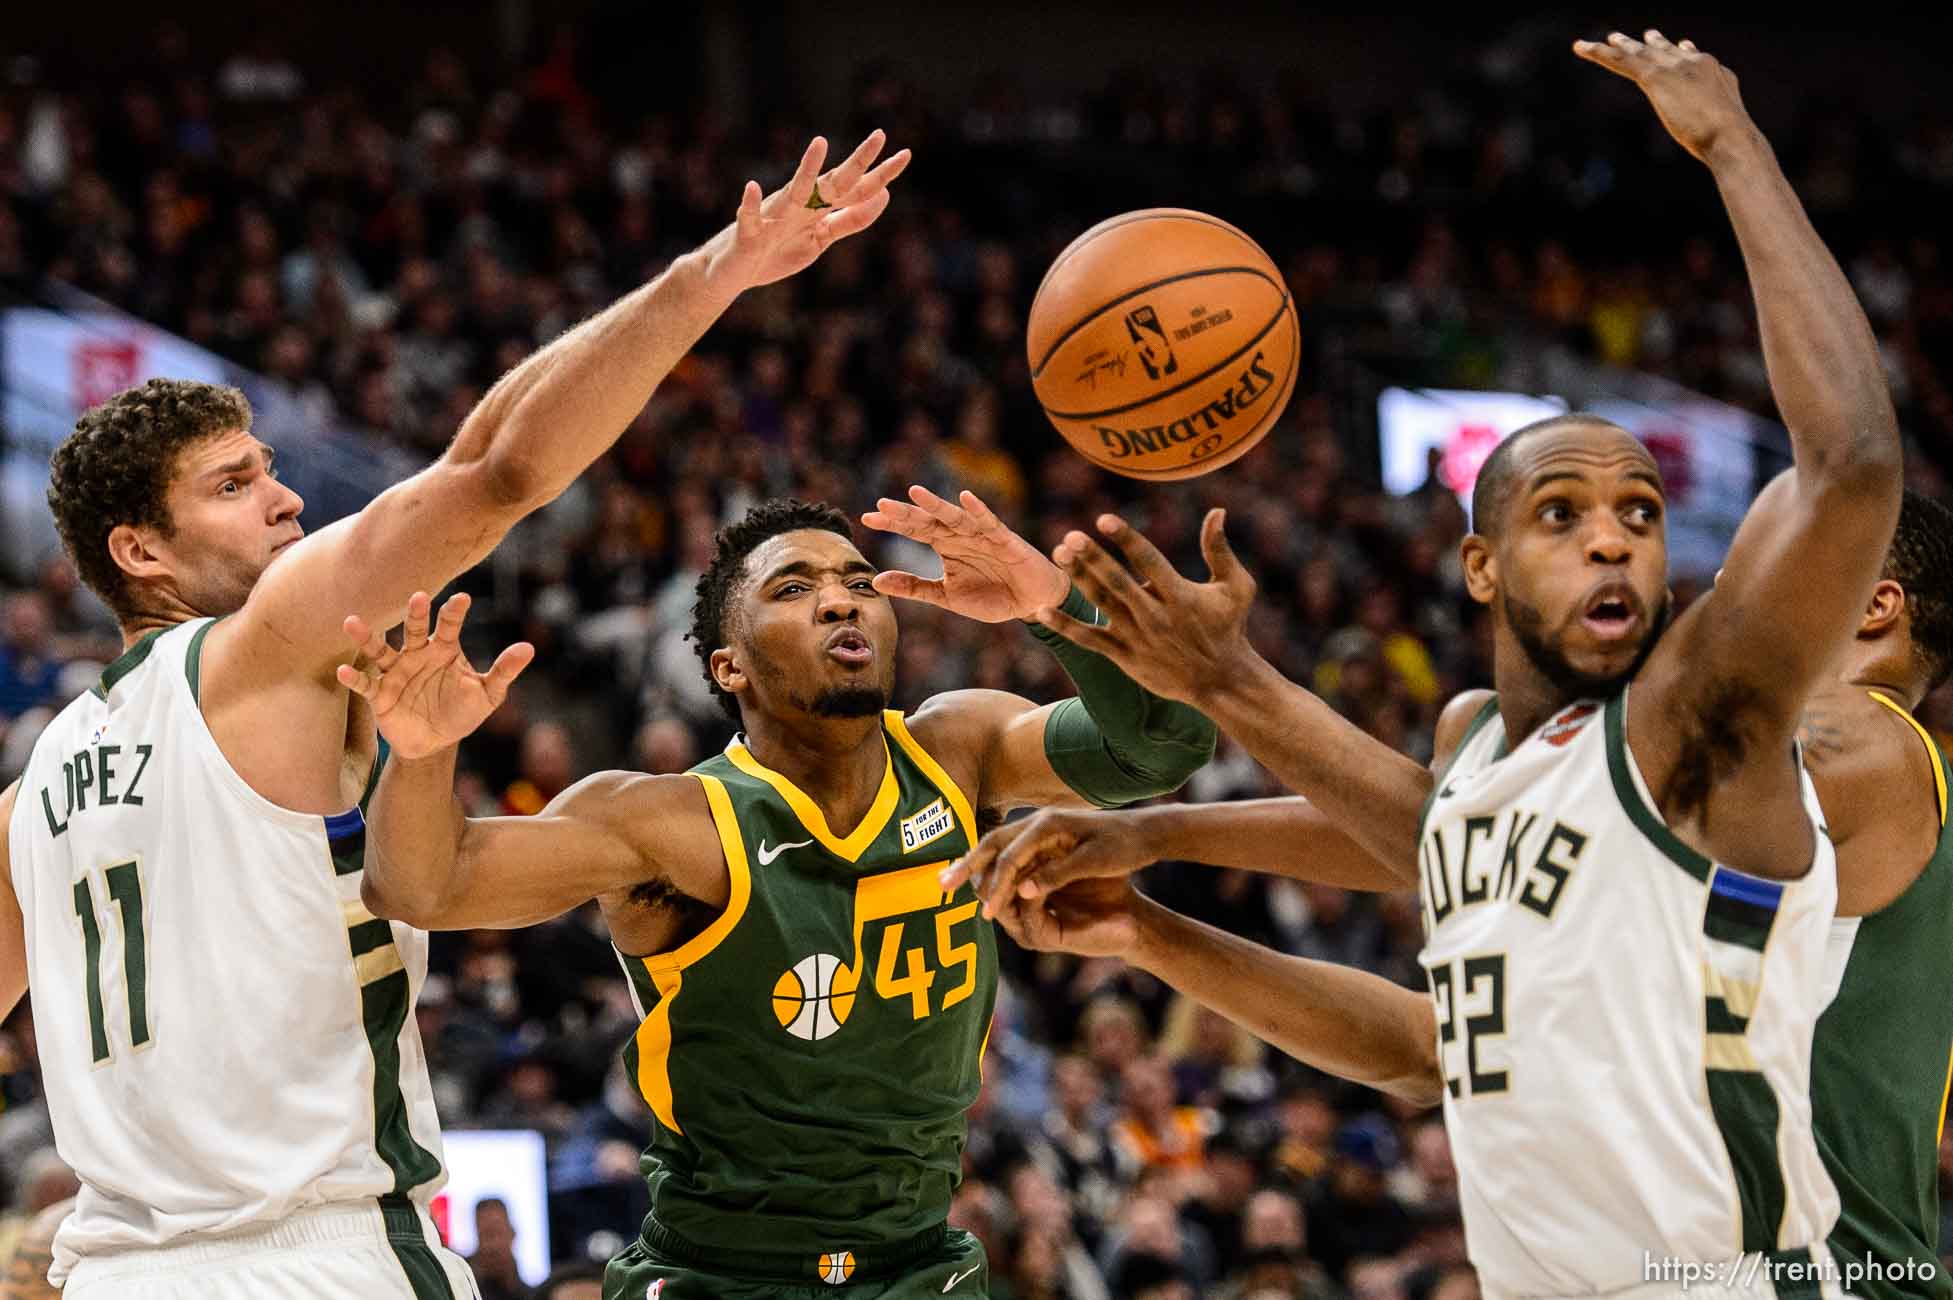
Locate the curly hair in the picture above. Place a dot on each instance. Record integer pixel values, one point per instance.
(1920, 559)
(731, 545)
(115, 469)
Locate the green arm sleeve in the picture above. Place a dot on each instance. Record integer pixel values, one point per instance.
(1117, 743)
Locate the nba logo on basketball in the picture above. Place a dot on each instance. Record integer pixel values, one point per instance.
(1149, 336)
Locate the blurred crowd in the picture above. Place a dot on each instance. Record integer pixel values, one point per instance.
(381, 258)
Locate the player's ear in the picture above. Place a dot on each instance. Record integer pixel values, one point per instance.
(1481, 567)
(1884, 610)
(727, 672)
(130, 548)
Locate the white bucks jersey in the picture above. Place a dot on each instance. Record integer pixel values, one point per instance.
(225, 1033)
(1624, 1027)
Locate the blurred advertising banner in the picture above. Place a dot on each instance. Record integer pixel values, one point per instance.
(1709, 453)
(56, 362)
(53, 366)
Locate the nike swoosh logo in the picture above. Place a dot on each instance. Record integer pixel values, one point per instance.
(958, 1277)
(766, 855)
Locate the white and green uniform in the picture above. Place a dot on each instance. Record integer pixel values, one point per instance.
(225, 1032)
(1624, 1027)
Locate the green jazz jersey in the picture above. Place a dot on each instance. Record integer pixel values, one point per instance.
(1879, 1071)
(810, 1055)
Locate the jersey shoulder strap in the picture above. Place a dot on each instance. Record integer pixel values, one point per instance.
(1932, 749)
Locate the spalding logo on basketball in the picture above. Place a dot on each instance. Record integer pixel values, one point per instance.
(813, 1000)
(836, 1267)
(1163, 343)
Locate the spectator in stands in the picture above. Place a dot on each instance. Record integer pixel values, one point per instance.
(548, 769)
(30, 667)
(493, 1262)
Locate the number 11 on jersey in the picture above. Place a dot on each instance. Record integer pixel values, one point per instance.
(123, 887)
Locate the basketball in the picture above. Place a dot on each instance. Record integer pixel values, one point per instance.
(1163, 343)
(836, 1267)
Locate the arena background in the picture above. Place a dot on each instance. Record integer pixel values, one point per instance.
(363, 213)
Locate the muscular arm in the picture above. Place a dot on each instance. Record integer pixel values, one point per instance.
(26, 1275)
(539, 427)
(429, 865)
(1738, 665)
(1289, 837)
(1348, 1022)
(534, 432)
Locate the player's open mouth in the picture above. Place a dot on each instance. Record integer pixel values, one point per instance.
(1612, 613)
(851, 648)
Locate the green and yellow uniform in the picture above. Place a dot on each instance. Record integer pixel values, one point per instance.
(1879, 1070)
(810, 1055)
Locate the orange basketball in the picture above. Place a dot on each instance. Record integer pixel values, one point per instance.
(1163, 343)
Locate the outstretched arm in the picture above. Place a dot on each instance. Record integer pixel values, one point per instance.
(1038, 855)
(537, 429)
(430, 865)
(1350, 1023)
(1743, 658)
(13, 926)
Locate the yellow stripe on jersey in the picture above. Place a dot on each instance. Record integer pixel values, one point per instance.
(1728, 1052)
(899, 728)
(667, 969)
(809, 813)
(1932, 750)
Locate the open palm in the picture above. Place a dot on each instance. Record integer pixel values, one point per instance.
(989, 573)
(426, 696)
(776, 236)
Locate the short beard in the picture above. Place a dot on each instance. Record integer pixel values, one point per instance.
(1527, 625)
(849, 702)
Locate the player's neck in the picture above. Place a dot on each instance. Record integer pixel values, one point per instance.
(838, 762)
(1890, 675)
(1526, 697)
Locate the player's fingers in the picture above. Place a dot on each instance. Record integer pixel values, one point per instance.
(854, 218)
(1019, 864)
(975, 866)
(1688, 46)
(908, 586)
(747, 219)
(948, 514)
(878, 180)
(904, 520)
(842, 180)
(801, 188)
(1099, 640)
(1222, 562)
(1103, 579)
(447, 628)
(414, 627)
(374, 651)
(1144, 557)
(507, 667)
(359, 682)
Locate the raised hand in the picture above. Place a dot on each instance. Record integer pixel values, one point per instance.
(426, 696)
(1177, 638)
(989, 573)
(1693, 94)
(773, 237)
(1036, 855)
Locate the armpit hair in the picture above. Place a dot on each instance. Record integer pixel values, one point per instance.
(689, 915)
(1715, 741)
